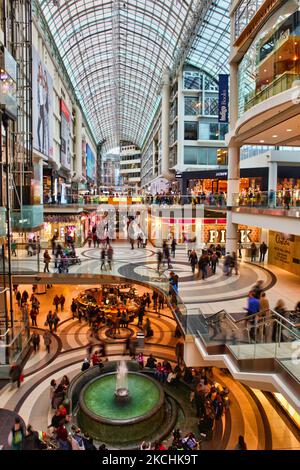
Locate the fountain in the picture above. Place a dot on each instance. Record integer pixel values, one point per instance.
(122, 392)
(121, 406)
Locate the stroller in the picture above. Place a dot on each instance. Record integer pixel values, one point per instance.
(73, 260)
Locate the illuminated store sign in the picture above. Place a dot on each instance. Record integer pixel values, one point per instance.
(220, 236)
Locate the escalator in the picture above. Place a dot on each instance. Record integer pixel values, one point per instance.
(260, 351)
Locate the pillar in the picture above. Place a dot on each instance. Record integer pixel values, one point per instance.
(165, 131)
(233, 187)
(78, 146)
(180, 122)
(272, 182)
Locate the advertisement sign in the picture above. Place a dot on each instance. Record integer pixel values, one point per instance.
(284, 251)
(65, 136)
(84, 158)
(42, 92)
(223, 98)
(90, 163)
(8, 86)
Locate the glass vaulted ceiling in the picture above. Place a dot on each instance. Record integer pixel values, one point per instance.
(115, 52)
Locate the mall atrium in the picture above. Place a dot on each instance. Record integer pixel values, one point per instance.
(150, 225)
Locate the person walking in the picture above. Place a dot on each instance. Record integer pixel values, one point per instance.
(47, 259)
(18, 298)
(35, 339)
(47, 341)
(235, 264)
(154, 298)
(62, 301)
(202, 265)
(49, 321)
(110, 253)
(56, 321)
(13, 247)
(241, 445)
(90, 238)
(160, 303)
(33, 315)
(264, 308)
(253, 251)
(262, 250)
(252, 308)
(277, 332)
(193, 260)
(56, 302)
(16, 435)
(95, 238)
(103, 255)
(240, 247)
(74, 309)
(15, 374)
(173, 247)
(214, 261)
(159, 259)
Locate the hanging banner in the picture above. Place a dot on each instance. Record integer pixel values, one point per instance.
(65, 136)
(42, 106)
(90, 164)
(223, 98)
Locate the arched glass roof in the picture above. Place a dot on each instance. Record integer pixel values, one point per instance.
(115, 52)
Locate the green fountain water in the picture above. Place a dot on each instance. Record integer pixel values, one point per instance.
(99, 397)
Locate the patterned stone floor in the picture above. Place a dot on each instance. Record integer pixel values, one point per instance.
(251, 412)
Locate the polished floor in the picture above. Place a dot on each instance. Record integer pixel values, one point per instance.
(251, 412)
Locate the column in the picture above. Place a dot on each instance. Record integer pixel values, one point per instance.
(154, 147)
(232, 195)
(78, 146)
(180, 121)
(165, 111)
(272, 182)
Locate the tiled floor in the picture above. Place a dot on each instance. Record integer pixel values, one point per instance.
(211, 295)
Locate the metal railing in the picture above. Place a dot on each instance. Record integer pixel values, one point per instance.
(266, 335)
(278, 85)
(217, 199)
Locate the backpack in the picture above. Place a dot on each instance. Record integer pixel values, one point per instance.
(17, 436)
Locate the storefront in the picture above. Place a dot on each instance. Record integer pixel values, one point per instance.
(216, 180)
(204, 231)
(74, 226)
(288, 177)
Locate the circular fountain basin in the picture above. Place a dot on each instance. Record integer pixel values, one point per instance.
(114, 421)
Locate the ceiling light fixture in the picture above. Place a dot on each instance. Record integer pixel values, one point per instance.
(275, 136)
(289, 130)
(261, 141)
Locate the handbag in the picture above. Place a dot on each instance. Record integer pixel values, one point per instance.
(22, 378)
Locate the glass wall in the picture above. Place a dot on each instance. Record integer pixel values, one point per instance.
(212, 130)
(272, 63)
(200, 156)
(191, 130)
(191, 106)
(192, 81)
(244, 13)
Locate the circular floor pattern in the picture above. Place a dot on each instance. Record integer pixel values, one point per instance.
(214, 288)
(122, 334)
(121, 253)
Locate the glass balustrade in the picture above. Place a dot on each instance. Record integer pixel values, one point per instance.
(270, 200)
(266, 336)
